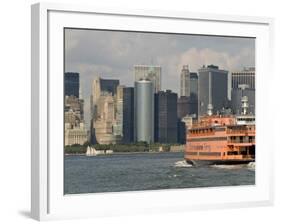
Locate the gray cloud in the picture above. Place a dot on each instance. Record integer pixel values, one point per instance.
(112, 54)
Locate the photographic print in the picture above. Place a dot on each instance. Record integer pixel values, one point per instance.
(154, 111)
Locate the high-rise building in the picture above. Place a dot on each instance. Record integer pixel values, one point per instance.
(105, 120)
(194, 84)
(183, 107)
(187, 106)
(118, 127)
(166, 117)
(246, 76)
(128, 114)
(144, 111)
(188, 101)
(100, 87)
(185, 81)
(194, 93)
(212, 89)
(71, 84)
(151, 72)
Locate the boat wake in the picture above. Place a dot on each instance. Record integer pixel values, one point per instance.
(251, 166)
(230, 167)
(182, 163)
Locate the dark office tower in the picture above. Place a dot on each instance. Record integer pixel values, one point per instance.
(183, 106)
(246, 76)
(71, 84)
(181, 132)
(128, 114)
(212, 89)
(194, 83)
(166, 117)
(194, 93)
(109, 85)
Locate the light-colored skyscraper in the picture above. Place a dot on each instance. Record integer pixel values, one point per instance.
(105, 120)
(144, 111)
(151, 72)
(185, 81)
(118, 128)
(100, 87)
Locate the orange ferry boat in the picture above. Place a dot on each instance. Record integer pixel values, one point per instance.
(221, 139)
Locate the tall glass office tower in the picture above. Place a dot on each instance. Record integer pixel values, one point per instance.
(144, 111)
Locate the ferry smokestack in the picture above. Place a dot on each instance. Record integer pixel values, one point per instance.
(245, 105)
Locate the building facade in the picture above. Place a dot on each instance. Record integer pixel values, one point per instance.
(144, 111)
(105, 120)
(74, 124)
(118, 127)
(128, 115)
(194, 84)
(212, 89)
(100, 87)
(185, 81)
(166, 117)
(151, 72)
(71, 84)
(246, 76)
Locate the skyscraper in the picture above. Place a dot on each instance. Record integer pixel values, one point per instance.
(194, 93)
(212, 89)
(118, 127)
(185, 81)
(193, 83)
(166, 117)
(183, 106)
(100, 87)
(151, 72)
(246, 76)
(144, 111)
(105, 120)
(128, 114)
(71, 84)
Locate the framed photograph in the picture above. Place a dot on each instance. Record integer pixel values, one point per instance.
(148, 111)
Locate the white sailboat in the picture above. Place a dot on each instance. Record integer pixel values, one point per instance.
(91, 151)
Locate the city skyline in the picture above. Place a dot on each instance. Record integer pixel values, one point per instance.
(113, 55)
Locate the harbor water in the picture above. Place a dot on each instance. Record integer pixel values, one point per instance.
(147, 171)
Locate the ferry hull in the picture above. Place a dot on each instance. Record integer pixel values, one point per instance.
(217, 162)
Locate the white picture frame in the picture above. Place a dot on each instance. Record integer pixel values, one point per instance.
(48, 201)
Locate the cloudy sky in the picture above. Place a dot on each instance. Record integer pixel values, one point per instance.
(112, 54)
